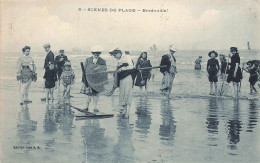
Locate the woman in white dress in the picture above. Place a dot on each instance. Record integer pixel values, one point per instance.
(169, 72)
(124, 81)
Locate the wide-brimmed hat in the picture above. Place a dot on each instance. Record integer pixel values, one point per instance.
(233, 49)
(96, 48)
(67, 64)
(46, 45)
(114, 50)
(216, 54)
(172, 48)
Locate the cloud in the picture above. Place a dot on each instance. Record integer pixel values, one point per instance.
(187, 24)
(34, 26)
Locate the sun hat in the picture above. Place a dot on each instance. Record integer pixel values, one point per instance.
(172, 48)
(112, 51)
(233, 49)
(96, 48)
(67, 64)
(216, 54)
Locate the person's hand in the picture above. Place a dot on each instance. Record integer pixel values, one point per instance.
(96, 69)
(119, 70)
(18, 77)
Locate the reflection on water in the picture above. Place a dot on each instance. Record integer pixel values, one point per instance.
(124, 149)
(24, 124)
(144, 119)
(234, 126)
(168, 126)
(50, 125)
(252, 116)
(94, 141)
(212, 120)
(64, 119)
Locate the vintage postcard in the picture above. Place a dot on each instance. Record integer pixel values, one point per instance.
(129, 81)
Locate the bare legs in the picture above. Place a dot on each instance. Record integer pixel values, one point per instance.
(95, 101)
(141, 89)
(24, 91)
(66, 93)
(236, 89)
(211, 88)
(49, 91)
(252, 88)
(126, 110)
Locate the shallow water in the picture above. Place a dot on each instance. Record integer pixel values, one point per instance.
(190, 127)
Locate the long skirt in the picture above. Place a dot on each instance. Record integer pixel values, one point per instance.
(125, 90)
(167, 82)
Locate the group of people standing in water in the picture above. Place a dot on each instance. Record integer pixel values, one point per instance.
(126, 76)
(230, 72)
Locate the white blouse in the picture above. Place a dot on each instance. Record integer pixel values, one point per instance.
(25, 61)
(125, 59)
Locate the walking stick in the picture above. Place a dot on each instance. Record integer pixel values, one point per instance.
(221, 90)
(241, 79)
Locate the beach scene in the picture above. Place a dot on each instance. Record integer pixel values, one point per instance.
(71, 74)
(191, 123)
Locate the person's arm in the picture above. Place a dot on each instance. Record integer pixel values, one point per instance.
(51, 57)
(235, 72)
(33, 65)
(74, 77)
(217, 65)
(44, 78)
(19, 65)
(208, 65)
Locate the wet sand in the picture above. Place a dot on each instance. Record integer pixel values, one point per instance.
(179, 130)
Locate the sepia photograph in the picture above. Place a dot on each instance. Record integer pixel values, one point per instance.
(130, 81)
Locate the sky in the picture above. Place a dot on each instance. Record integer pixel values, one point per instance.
(189, 25)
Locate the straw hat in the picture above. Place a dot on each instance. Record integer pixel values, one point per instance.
(67, 64)
(96, 48)
(172, 48)
(112, 51)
